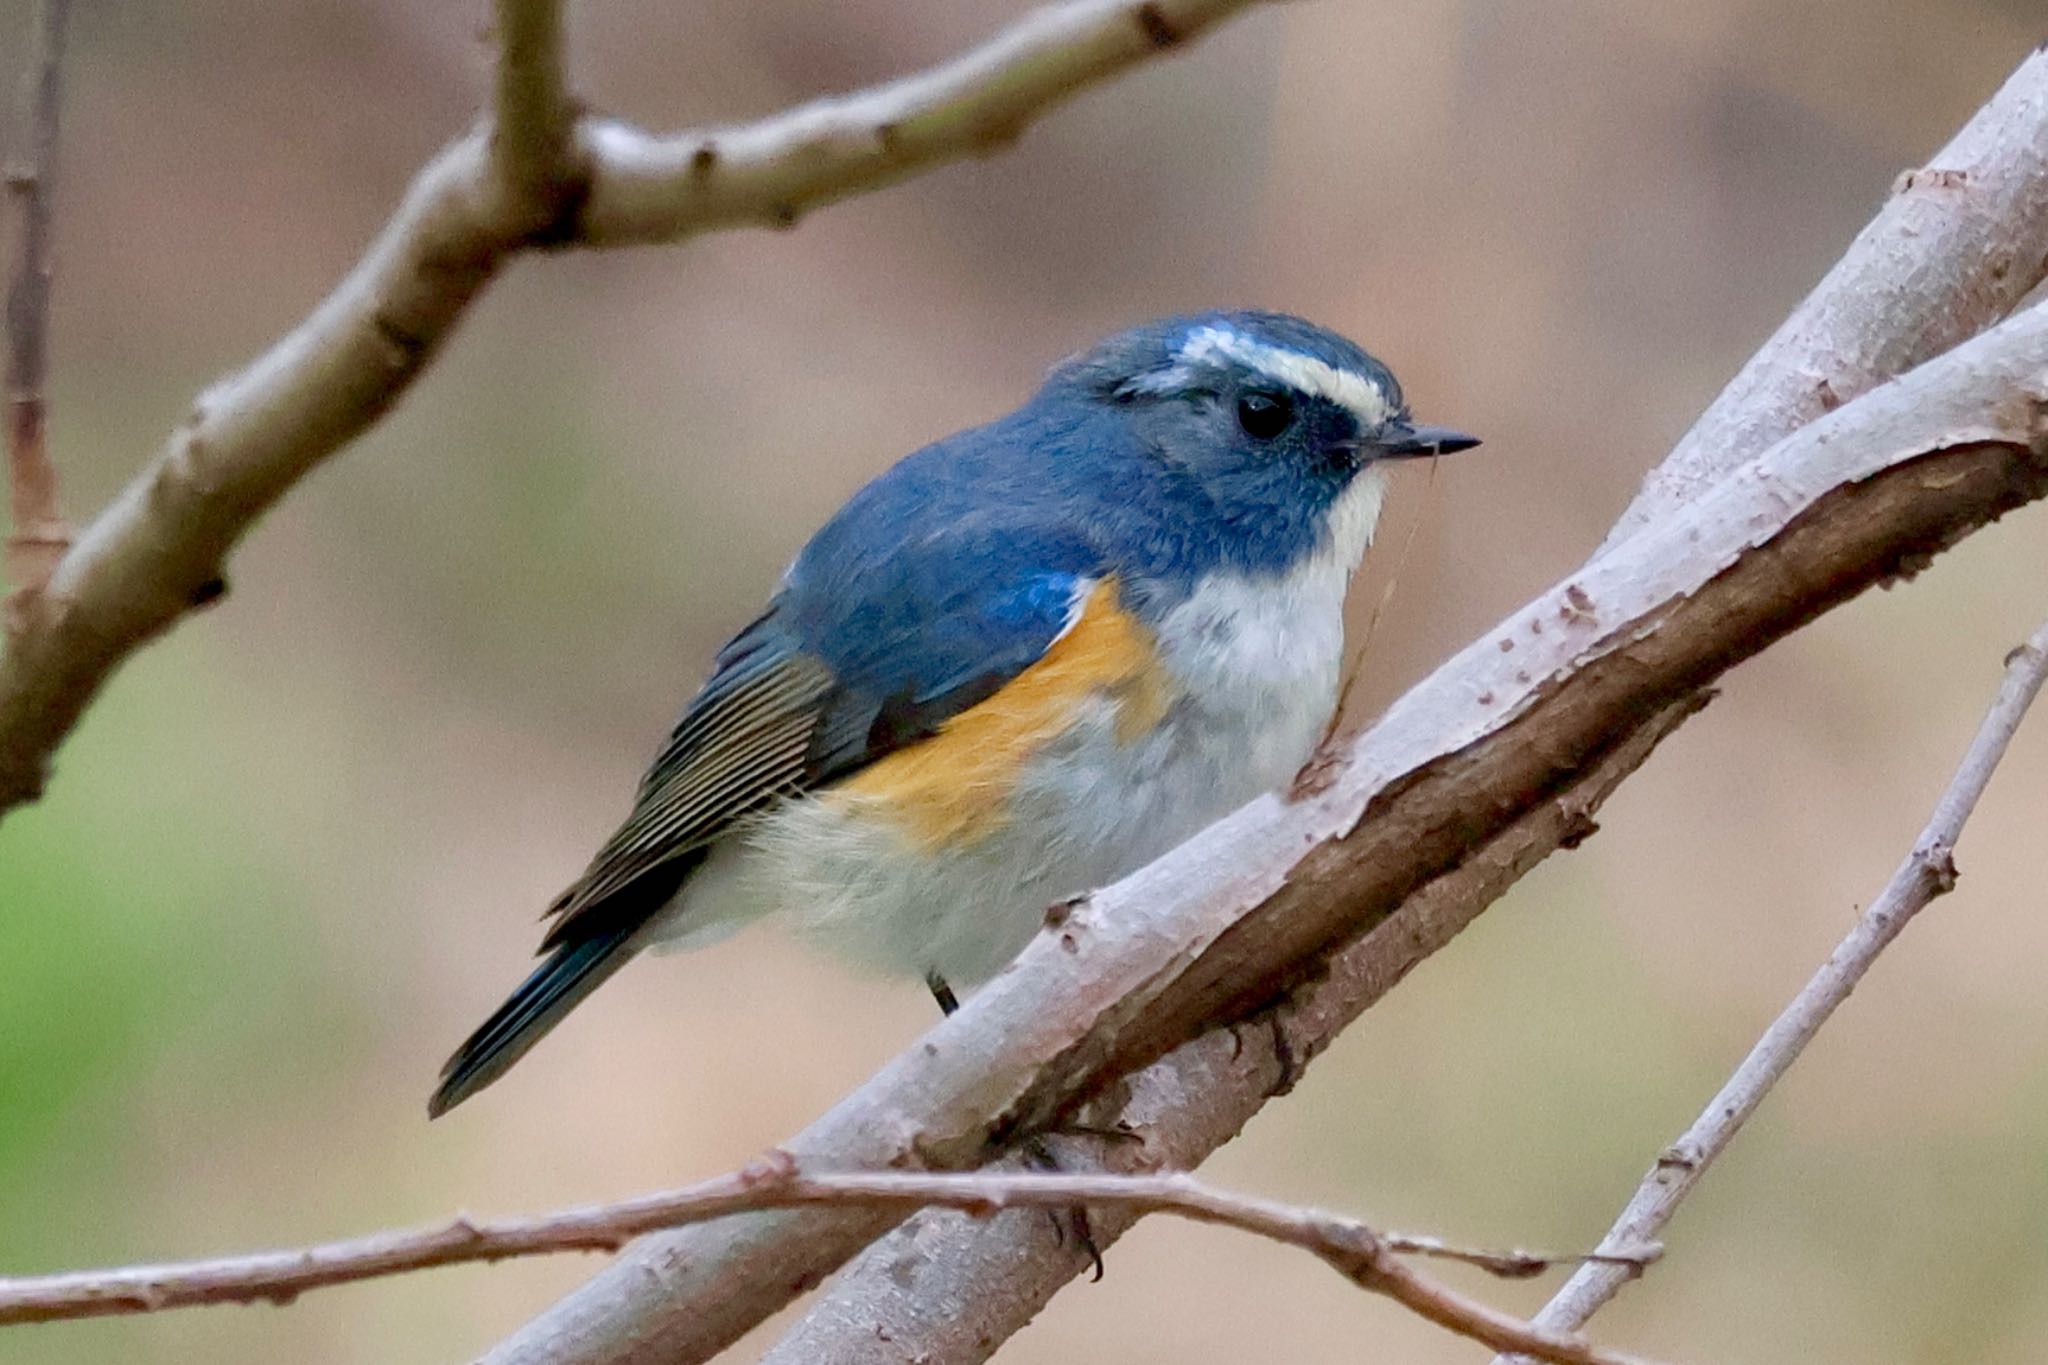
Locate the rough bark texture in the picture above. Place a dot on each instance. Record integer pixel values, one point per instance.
(944, 1287)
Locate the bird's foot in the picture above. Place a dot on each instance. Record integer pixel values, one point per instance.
(1038, 1154)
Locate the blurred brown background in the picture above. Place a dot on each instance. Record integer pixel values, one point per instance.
(297, 849)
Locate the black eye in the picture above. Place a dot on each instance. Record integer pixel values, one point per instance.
(1265, 415)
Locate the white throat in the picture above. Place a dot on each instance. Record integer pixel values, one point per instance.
(1353, 519)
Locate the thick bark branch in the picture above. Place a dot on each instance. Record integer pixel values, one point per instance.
(38, 534)
(943, 1288)
(1961, 242)
(1363, 1255)
(1928, 871)
(1228, 922)
(159, 549)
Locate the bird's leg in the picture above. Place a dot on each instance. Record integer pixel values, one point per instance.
(1036, 1150)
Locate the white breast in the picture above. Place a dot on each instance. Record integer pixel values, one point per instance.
(1254, 664)
(1260, 659)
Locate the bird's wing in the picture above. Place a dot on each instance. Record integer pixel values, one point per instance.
(858, 657)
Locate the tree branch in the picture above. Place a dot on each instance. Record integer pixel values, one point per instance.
(1223, 925)
(655, 189)
(942, 1288)
(1485, 743)
(39, 534)
(1928, 871)
(158, 550)
(1960, 243)
(1358, 1252)
(533, 153)
(1938, 262)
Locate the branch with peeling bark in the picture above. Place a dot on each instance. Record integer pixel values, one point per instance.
(535, 175)
(1928, 872)
(1223, 926)
(1360, 1253)
(38, 534)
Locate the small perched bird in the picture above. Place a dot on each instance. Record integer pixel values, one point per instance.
(1027, 660)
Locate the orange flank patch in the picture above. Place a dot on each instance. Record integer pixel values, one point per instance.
(952, 788)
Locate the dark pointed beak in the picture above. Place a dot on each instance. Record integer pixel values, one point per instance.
(1405, 441)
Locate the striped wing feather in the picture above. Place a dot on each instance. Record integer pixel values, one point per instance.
(825, 683)
(744, 743)
(862, 655)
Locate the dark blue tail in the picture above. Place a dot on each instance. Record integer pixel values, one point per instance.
(572, 971)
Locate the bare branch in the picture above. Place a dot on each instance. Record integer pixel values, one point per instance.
(654, 189)
(1266, 897)
(1940, 261)
(942, 1288)
(1356, 1251)
(1961, 241)
(39, 534)
(533, 149)
(158, 550)
(1928, 871)
(1259, 902)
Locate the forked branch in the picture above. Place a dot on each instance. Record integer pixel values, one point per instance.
(1958, 244)
(1961, 241)
(1211, 933)
(1366, 1257)
(159, 550)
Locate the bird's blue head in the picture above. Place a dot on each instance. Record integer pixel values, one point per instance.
(1274, 418)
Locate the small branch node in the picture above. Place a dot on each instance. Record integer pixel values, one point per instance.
(1680, 1155)
(1937, 864)
(774, 1167)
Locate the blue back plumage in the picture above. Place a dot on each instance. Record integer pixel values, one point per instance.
(959, 563)
(1214, 443)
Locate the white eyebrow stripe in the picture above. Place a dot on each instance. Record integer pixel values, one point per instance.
(1304, 373)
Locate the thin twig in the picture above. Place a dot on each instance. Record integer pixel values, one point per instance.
(39, 535)
(1354, 1250)
(1928, 871)
(653, 189)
